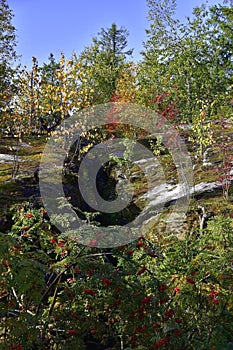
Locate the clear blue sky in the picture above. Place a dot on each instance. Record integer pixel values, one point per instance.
(45, 26)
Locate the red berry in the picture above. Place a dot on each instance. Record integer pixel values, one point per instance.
(139, 243)
(146, 300)
(61, 243)
(163, 287)
(163, 301)
(213, 294)
(215, 301)
(17, 347)
(90, 291)
(72, 332)
(178, 320)
(168, 314)
(177, 332)
(140, 272)
(190, 280)
(106, 282)
(92, 243)
(117, 302)
(160, 343)
(5, 263)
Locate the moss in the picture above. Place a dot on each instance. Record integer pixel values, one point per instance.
(205, 174)
(215, 204)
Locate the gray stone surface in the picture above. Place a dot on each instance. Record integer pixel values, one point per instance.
(6, 158)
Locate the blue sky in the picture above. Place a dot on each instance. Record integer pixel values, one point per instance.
(45, 26)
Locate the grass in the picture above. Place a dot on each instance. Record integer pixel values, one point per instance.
(11, 191)
(30, 156)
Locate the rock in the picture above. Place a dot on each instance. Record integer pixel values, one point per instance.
(25, 145)
(5, 158)
(205, 187)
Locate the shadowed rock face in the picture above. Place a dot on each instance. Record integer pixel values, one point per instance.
(149, 199)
